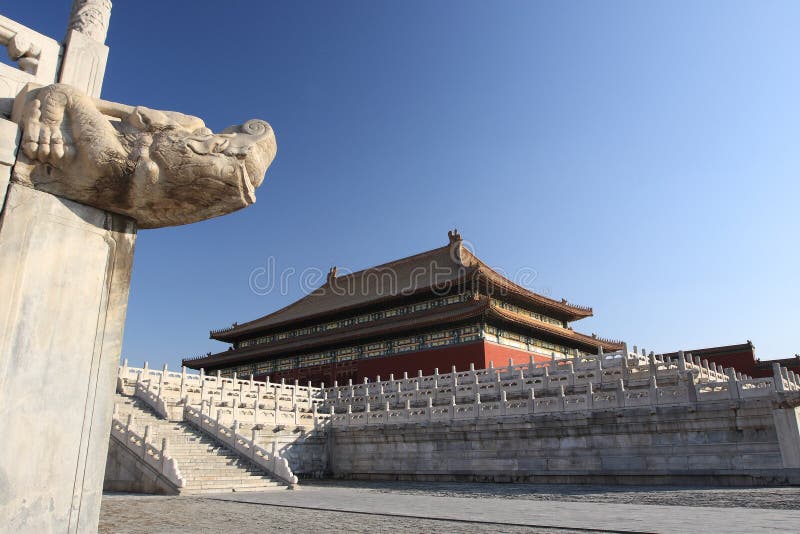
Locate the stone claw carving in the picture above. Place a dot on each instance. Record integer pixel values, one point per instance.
(161, 168)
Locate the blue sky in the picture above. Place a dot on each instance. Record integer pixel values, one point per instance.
(641, 157)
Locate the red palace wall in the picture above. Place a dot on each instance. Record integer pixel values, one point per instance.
(743, 361)
(479, 353)
(500, 354)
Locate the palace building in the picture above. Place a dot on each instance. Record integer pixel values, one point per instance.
(433, 310)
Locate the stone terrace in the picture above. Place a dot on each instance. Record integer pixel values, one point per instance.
(646, 413)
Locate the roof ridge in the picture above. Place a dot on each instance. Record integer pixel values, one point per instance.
(330, 281)
(392, 262)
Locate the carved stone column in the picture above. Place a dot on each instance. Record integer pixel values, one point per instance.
(85, 52)
(66, 273)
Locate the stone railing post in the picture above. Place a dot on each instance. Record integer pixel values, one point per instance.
(531, 401)
(477, 405)
(183, 381)
(163, 452)
(503, 401)
(704, 370)
(691, 388)
(733, 384)
(145, 439)
(589, 396)
(681, 360)
(653, 389)
(777, 377)
(561, 398)
(621, 393)
(624, 362)
(430, 409)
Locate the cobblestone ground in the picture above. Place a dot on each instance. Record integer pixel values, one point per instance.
(133, 514)
(778, 498)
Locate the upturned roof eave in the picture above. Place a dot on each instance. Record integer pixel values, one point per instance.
(555, 331)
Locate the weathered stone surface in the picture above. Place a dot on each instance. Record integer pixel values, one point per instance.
(713, 444)
(90, 18)
(306, 452)
(84, 63)
(9, 137)
(160, 168)
(126, 472)
(66, 273)
(787, 426)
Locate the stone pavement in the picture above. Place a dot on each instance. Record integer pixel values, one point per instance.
(405, 507)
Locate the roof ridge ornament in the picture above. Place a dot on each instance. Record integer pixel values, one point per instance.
(455, 246)
(332, 274)
(454, 236)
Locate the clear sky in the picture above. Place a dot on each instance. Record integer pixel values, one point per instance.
(642, 158)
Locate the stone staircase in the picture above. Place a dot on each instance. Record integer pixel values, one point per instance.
(206, 466)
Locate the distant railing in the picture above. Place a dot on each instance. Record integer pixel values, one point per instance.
(163, 389)
(615, 380)
(605, 380)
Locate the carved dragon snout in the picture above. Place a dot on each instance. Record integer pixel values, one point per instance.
(161, 168)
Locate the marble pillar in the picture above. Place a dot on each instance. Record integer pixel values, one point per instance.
(66, 273)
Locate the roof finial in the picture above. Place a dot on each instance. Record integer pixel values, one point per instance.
(331, 274)
(453, 235)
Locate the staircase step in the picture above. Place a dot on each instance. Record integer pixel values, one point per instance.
(207, 466)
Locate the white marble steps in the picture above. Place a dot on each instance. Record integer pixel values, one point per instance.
(207, 466)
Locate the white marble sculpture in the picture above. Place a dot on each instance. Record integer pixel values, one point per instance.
(160, 168)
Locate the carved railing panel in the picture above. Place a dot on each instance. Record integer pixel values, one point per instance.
(36, 57)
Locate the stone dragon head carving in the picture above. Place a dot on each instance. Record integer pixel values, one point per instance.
(160, 168)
